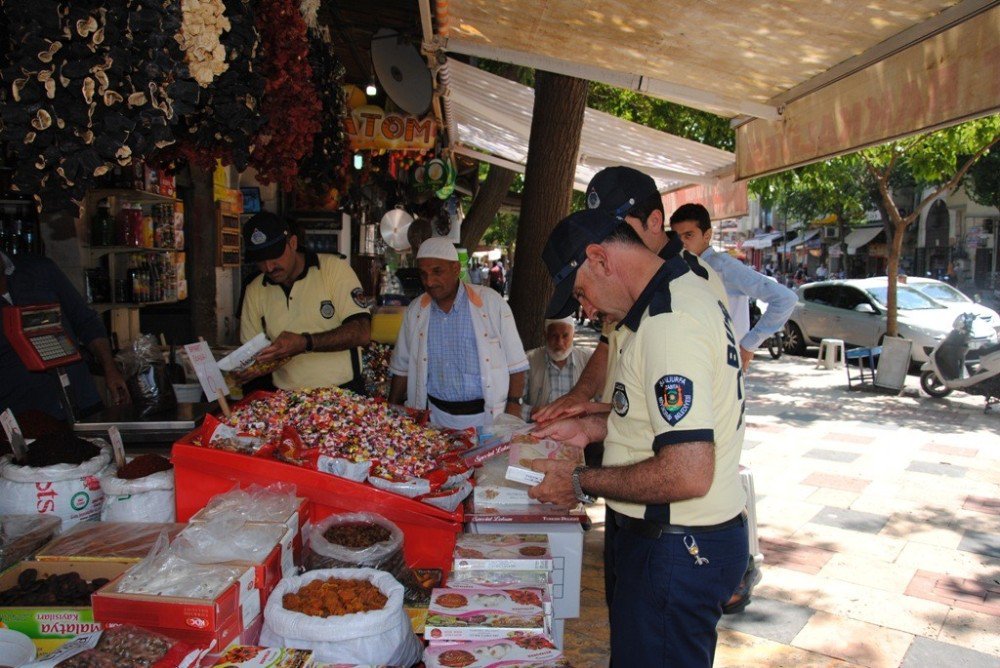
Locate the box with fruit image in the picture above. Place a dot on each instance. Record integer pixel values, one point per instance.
(524, 449)
(519, 651)
(487, 614)
(250, 656)
(510, 552)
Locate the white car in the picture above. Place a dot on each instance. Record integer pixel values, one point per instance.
(954, 299)
(854, 311)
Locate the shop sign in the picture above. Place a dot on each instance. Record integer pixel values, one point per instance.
(370, 127)
(877, 250)
(975, 238)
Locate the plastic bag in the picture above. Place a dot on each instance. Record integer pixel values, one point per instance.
(146, 376)
(147, 499)
(21, 535)
(225, 539)
(381, 637)
(122, 541)
(274, 503)
(165, 573)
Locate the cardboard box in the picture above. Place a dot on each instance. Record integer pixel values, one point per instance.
(485, 614)
(51, 626)
(534, 651)
(124, 542)
(500, 580)
(250, 656)
(523, 449)
(507, 552)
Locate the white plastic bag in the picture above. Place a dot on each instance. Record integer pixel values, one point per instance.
(148, 499)
(324, 554)
(380, 637)
(225, 539)
(71, 492)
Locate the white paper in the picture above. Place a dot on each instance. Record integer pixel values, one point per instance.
(207, 370)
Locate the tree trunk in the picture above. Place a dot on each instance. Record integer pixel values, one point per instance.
(556, 123)
(201, 244)
(485, 204)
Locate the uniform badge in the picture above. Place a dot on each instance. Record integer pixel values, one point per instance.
(674, 396)
(619, 400)
(358, 297)
(258, 237)
(593, 200)
(326, 309)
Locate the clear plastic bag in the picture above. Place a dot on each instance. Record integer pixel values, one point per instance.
(145, 373)
(125, 541)
(274, 503)
(22, 535)
(225, 539)
(165, 573)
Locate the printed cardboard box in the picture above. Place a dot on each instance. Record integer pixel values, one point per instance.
(523, 449)
(508, 552)
(486, 614)
(249, 656)
(535, 651)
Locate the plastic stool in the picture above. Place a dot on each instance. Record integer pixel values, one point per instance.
(831, 354)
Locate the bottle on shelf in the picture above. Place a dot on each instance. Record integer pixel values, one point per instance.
(102, 227)
(4, 243)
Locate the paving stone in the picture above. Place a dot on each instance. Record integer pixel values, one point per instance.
(849, 438)
(832, 455)
(854, 520)
(750, 444)
(799, 416)
(848, 483)
(981, 543)
(982, 504)
(925, 652)
(935, 468)
(943, 449)
(767, 618)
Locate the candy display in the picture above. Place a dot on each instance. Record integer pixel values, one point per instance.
(144, 465)
(62, 589)
(333, 596)
(59, 448)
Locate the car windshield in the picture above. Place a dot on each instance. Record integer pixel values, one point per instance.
(941, 292)
(907, 298)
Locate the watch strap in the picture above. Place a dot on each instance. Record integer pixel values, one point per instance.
(581, 496)
(309, 341)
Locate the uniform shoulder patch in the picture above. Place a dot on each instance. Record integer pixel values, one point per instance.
(674, 396)
(358, 297)
(619, 400)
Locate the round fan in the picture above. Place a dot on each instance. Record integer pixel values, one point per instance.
(394, 227)
(402, 72)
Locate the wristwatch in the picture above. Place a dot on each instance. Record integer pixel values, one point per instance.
(581, 496)
(516, 400)
(309, 341)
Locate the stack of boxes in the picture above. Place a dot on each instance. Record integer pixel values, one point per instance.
(497, 605)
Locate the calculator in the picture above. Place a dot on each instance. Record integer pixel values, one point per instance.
(37, 336)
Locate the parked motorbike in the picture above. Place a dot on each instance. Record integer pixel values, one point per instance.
(775, 343)
(951, 367)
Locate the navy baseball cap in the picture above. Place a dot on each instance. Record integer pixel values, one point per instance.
(566, 250)
(618, 189)
(264, 237)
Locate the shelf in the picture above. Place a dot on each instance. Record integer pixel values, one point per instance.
(141, 196)
(103, 306)
(131, 249)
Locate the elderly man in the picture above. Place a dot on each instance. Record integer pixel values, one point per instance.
(553, 369)
(458, 351)
(672, 440)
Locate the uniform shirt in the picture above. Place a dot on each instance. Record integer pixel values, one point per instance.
(324, 297)
(452, 355)
(37, 280)
(743, 283)
(677, 380)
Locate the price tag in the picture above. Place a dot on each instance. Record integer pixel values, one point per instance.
(117, 446)
(13, 431)
(207, 369)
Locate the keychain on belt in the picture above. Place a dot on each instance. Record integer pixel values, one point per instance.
(692, 547)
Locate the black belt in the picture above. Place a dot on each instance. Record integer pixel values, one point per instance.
(471, 407)
(653, 529)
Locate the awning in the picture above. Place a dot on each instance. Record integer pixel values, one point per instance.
(493, 117)
(797, 241)
(861, 237)
(762, 241)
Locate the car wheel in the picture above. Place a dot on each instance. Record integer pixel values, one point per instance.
(795, 343)
(933, 385)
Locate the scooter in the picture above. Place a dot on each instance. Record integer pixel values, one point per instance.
(775, 343)
(950, 366)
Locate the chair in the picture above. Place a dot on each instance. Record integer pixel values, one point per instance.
(832, 354)
(862, 355)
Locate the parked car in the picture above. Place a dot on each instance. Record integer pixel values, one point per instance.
(954, 299)
(854, 310)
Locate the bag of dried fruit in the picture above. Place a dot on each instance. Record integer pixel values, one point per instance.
(140, 491)
(344, 615)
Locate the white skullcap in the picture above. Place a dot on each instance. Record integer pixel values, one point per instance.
(568, 320)
(438, 247)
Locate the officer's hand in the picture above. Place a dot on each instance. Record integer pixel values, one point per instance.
(745, 357)
(117, 389)
(570, 431)
(557, 487)
(285, 345)
(565, 406)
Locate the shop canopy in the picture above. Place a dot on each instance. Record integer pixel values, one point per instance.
(788, 246)
(492, 116)
(861, 237)
(762, 241)
(803, 81)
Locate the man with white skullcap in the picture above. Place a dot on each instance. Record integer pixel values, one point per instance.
(458, 352)
(553, 369)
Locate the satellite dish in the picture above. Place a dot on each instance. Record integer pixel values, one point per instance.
(402, 72)
(394, 227)
(420, 231)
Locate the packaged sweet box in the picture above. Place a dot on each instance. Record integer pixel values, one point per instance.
(498, 579)
(486, 614)
(534, 651)
(249, 656)
(524, 449)
(509, 552)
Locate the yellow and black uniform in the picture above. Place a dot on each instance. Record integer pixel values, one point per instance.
(324, 297)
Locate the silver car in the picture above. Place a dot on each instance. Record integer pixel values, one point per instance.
(854, 311)
(954, 299)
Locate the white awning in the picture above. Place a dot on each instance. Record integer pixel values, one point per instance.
(762, 241)
(493, 117)
(797, 241)
(861, 237)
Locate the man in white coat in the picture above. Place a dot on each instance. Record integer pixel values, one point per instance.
(458, 352)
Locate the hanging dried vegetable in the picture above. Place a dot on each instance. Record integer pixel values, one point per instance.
(290, 103)
(203, 23)
(320, 170)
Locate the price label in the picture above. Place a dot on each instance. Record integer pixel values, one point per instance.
(117, 447)
(207, 369)
(13, 431)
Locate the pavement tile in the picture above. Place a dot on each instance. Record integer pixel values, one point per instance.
(739, 650)
(853, 520)
(796, 556)
(957, 563)
(937, 468)
(974, 630)
(771, 619)
(982, 504)
(981, 542)
(850, 640)
(925, 652)
(749, 444)
(955, 450)
(933, 526)
(838, 498)
(868, 572)
(849, 437)
(869, 546)
(832, 455)
(848, 483)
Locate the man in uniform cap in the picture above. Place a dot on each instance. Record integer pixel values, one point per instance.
(310, 305)
(672, 440)
(458, 351)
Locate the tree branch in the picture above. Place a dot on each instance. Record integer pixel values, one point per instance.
(955, 180)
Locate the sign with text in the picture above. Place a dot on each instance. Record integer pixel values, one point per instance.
(207, 369)
(370, 127)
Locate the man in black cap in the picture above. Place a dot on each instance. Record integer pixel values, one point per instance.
(672, 439)
(310, 306)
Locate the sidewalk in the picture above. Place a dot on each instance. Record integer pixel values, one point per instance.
(879, 521)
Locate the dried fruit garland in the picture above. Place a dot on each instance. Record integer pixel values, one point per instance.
(290, 102)
(320, 170)
(203, 24)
